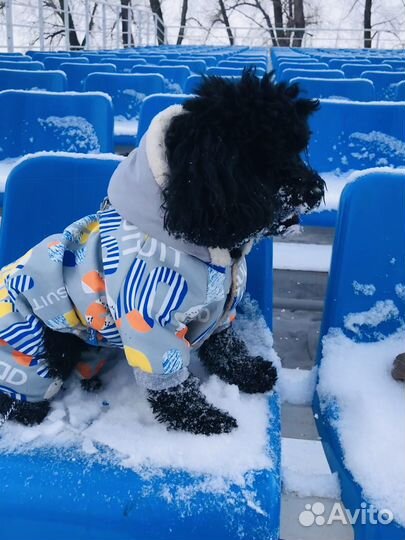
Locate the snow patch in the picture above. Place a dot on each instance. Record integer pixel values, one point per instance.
(75, 132)
(297, 386)
(355, 379)
(366, 289)
(382, 311)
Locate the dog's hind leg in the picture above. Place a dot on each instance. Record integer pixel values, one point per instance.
(226, 355)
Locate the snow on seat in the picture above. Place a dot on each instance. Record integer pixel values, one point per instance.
(384, 82)
(54, 121)
(175, 76)
(350, 136)
(360, 409)
(353, 89)
(100, 466)
(127, 92)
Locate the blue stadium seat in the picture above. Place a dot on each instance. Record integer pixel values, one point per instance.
(192, 83)
(370, 235)
(397, 65)
(51, 62)
(128, 92)
(288, 74)
(94, 499)
(18, 79)
(399, 91)
(31, 66)
(35, 121)
(15, 57)
(225, 71)
(242, 63)
(353, 70)
(298, 65)
(77, 73)
(337, 63)
(354, 89)
(209, 60)
(196, 66)
(175, 76)
(348, 135)
(383, 81)
(40, 55)
(124, 65)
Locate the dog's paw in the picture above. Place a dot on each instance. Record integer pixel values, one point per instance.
(23, 412)
(185, 408)
(226, 355)
(94, 384)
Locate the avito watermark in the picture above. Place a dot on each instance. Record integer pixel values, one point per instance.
(314, 514)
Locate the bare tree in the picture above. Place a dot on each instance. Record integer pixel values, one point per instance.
(183, 21)
(127, 37)
(367, 24)
(156, 8)
(299, 23)
(223, 17)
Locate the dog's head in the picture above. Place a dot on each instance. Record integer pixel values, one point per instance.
(235, 167)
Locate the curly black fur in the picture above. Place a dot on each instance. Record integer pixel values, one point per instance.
(234, 161)
(22, 411)
(184, 407)
(227, 356)
(62, 352)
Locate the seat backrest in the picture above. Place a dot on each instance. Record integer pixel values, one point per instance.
(196, 66)
(192, 83)
(355, 70)
(242, 63)
(352, 135)
(354, 89)
(337, 63)
(153, 105)
(45, 194)
(127, 91)
(225, 71)
(35, 121)
(287, 74)
(175, 76)
(367, 273)
(298, 65)
(398, 65)
(400, 91)
(124, 65)
(20, 79)
(77, 73)
(28, 66)
(54, 63)
(382, 81)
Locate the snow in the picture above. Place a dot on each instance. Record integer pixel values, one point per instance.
(382, 311)
(125, 126)
(119, 418)
(74, 132)
(297, 386)
(370, 415)
(363, 288)
(295, 256)
(6, 165)
(305, 470)
(69, 93)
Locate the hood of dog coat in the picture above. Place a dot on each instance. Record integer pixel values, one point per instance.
(135, 191)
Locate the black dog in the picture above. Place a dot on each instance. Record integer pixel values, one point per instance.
(235, 175)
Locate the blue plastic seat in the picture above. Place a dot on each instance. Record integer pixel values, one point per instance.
(383, 81)
(354, 89)
(196, 66)
(51, 62)
(353, 70)
(125, 65)
(209, 60)
(225, 71)
(298, 65)
(234, 63)
(77, 73)
(175, 76)
(397, 65)
(399, 91)
(369, 248)
(40, 55)
(354, 136)
(35, 121)
(288, 74)
(18, 79)
(30, 66)
(127, 92)
(91, 499)
(15, 57)
(192, 83)
(337, 63)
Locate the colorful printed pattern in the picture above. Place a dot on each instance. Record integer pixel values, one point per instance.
(172, 361)
(25, 337)
(111, 254)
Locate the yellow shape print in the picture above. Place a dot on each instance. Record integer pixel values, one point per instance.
(137, 359)
(5, 308)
